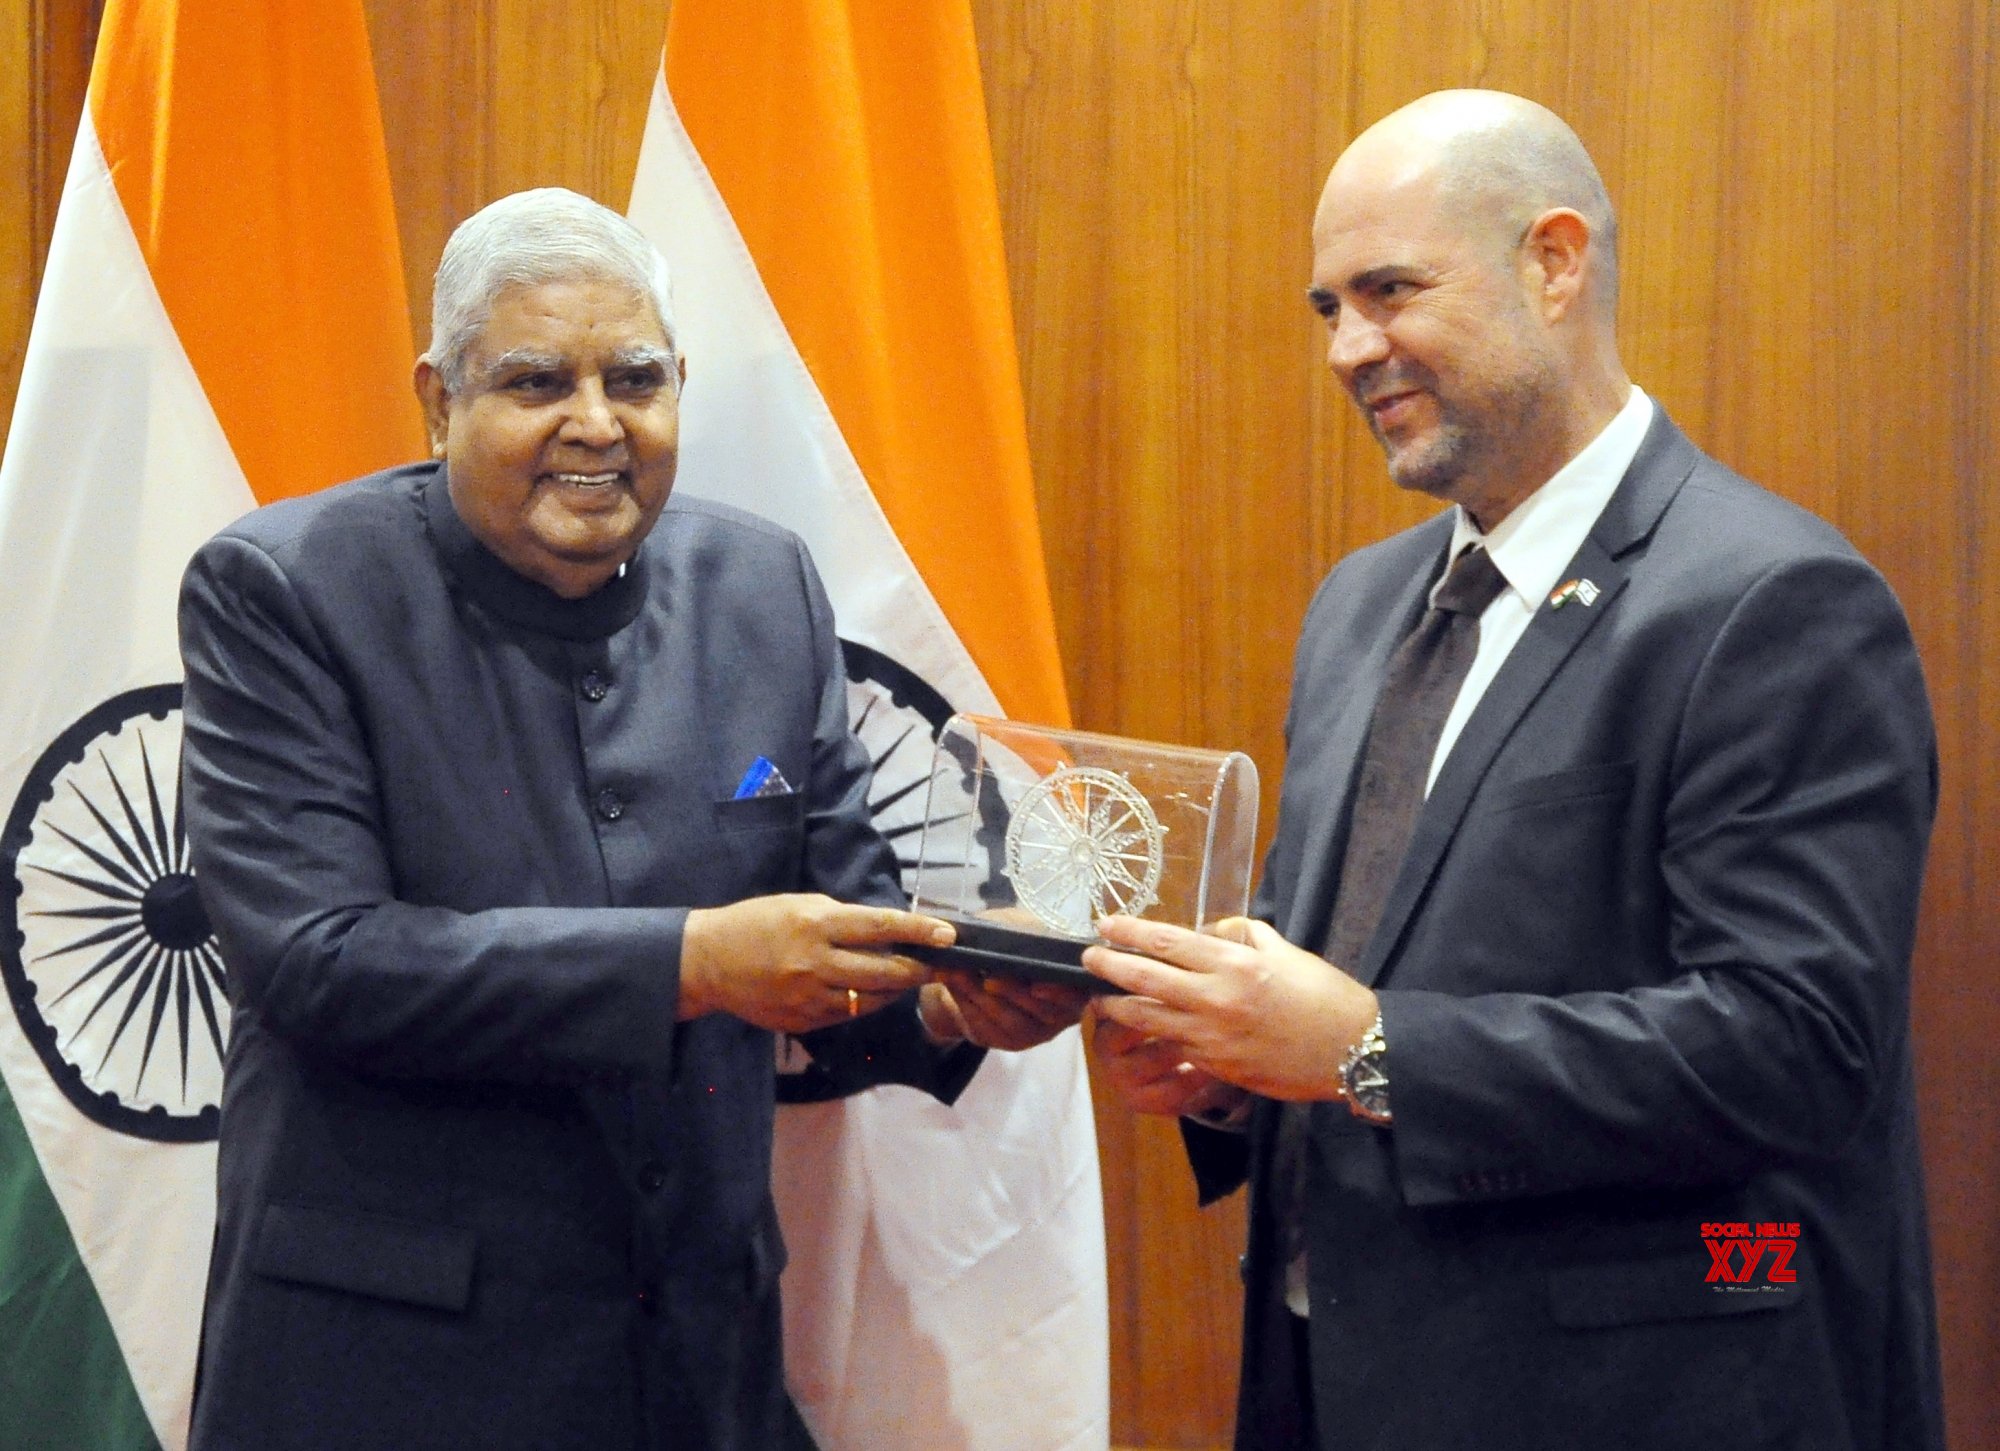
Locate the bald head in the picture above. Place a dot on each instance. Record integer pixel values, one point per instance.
(1497, 162)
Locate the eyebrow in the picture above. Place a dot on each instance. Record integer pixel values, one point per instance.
(533, 359)
(1326, 302)
(644, 355)
(1386, 272)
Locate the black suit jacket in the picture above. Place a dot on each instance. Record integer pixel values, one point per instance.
(1644, 972)
(477, 1188)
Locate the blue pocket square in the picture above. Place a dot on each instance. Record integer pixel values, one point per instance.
(762, 779)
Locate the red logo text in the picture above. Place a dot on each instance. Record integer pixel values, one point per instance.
(1745, 1254)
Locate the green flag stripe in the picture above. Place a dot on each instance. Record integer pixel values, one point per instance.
(63, 1381)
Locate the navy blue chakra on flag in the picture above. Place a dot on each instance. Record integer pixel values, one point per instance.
(106, 951)
(897, 716)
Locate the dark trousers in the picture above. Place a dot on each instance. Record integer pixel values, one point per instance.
(1278, 1412)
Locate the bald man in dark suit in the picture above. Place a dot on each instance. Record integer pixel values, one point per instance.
(1569, 1066)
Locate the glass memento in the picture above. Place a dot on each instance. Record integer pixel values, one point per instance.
(1034, 834)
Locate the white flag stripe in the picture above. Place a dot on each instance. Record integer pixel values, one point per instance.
(946, 1288)
(115, 470)
(756, 433)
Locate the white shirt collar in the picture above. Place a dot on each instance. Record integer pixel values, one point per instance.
(1534, 544)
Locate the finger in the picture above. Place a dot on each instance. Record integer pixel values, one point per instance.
(1194, 951)
(1112, 1038)
(1066, 1002)
(1048, 1004)
(997, 1000)
(1241, 929)
(1149, 1018)
(959, 982)
(1173, 1094)
(878, 972)
(864, 1003)
(1261, 936)
(1002, 1028)
(853, 926)
(1147, 977)
(1157, 1062)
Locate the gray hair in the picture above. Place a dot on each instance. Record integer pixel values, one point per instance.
(532, 237)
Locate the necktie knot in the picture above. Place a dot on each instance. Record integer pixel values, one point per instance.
(1471, 584)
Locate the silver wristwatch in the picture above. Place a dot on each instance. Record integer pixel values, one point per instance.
(1364, 1076)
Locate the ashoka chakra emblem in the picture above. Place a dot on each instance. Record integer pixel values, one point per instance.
(106, 951)
(1083, 844)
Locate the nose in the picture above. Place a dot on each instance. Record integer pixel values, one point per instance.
(590, 419)
(1354, 341)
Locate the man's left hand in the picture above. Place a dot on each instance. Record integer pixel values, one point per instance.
(997, 1012)
(1240, 1002)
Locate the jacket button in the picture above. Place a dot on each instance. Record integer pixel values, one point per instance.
(652, 1178)
(608, 805)
(593, 686)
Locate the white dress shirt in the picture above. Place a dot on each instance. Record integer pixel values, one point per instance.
(1532, 547)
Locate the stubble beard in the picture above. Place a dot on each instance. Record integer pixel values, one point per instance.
(1475, 443)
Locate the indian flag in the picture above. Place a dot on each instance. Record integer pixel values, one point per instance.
(818, 174)
(222, 322)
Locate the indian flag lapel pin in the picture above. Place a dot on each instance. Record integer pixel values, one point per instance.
(1583, 591)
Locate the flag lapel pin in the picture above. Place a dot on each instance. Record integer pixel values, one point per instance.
(1583, 591)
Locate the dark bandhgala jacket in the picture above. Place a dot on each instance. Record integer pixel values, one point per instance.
(1644, 976)
(476, 1186)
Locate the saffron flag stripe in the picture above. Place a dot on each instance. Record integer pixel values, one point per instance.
(749, 396)
(849, 139)
(247, 149)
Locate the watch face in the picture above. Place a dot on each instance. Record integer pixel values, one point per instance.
(106, 951)
(1368, 1083)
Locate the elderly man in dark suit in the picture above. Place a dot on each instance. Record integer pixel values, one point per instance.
(1570, 1069)
(523, 800)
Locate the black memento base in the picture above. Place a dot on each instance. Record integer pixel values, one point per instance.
(1010, 952)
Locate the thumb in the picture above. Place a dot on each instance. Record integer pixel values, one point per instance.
(1260, 935)
(1239, 930)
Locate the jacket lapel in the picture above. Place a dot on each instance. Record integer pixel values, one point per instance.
(1323, 799)
(1607, 557)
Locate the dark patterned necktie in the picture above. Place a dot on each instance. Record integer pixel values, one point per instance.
(1425, 675)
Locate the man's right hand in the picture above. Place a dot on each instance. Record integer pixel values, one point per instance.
(788, 963)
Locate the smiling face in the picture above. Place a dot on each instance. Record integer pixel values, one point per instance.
(1434, 330)
(561, 441)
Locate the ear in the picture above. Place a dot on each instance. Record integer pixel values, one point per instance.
(1556, 257)
(436, 401)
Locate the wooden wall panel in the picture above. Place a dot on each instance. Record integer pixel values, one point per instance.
(1810, 197)
(1958, 1013)
(45, 50)
(19, 266)
(487, 97)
